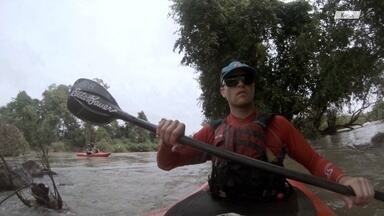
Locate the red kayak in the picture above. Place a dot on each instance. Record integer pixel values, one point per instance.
(93, 154)
(302, 202)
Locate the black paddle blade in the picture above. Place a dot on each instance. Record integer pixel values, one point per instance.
(91, 102)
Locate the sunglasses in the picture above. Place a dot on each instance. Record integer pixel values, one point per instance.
(247, 79)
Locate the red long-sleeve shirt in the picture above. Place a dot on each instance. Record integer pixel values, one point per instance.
(279, 133)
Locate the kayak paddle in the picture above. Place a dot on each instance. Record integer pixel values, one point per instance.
(91, 102)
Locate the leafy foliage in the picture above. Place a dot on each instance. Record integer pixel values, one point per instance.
(309, 64)
(140, 135)
(12, 141)
(377, 112)
(47, 123)
(22, 112)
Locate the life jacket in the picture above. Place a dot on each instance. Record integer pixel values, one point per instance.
(235, 181)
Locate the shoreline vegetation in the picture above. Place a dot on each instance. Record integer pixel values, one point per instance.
(28, 124)
(125, 145)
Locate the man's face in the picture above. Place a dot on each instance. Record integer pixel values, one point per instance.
(238, 89)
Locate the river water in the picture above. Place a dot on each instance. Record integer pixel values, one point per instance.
(131, 183)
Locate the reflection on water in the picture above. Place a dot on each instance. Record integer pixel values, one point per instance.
(131, 183)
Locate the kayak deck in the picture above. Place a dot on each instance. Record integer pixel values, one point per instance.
(302, 202)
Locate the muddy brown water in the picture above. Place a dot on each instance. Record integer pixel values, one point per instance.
(131, 183)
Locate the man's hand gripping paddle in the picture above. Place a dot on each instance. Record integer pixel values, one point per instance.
(91, 102)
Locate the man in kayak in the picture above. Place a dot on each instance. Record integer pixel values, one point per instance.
(91, 148)
(246, 131)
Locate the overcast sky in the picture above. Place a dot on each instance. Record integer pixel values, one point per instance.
(126, 43)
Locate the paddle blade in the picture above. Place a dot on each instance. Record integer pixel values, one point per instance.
(91, 102)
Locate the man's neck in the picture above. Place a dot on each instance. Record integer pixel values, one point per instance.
(242, 112)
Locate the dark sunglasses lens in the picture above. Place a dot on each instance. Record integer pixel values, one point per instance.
(248, 79)
(231, 82)
(234, 81)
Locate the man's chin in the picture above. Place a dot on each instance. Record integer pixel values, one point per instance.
(245, 104)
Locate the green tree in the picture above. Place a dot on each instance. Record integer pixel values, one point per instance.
(114, 130)
(102, 139)
(53, 109)
(349, 61)
(140, 135)
(47, 132)
(12, 141)
(22, 112)
(377, 112)
(291, 49)
(214, 32)
(127, 130)
(309, 64)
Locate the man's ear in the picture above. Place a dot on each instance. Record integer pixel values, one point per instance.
(222, 91)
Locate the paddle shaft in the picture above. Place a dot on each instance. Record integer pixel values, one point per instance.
(229, 155)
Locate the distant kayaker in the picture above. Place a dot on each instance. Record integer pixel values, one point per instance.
(248, 132)
(90, 148)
